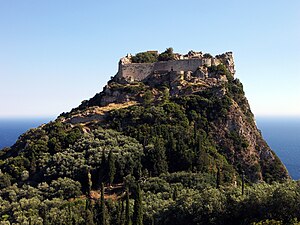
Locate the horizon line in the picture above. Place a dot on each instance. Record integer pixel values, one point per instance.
(55, 116)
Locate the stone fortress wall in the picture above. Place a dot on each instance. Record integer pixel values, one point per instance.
(139, 71)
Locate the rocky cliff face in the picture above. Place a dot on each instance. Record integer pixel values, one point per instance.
(232, 127)
(197, 121)
(180, 140)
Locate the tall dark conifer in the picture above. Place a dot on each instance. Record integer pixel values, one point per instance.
(103, 168)
(111, 167)
(102, 206)
(175, 194)
(88, 213)
(160, 164)
(127, 210)
(120, 206)
(32, 168)
(123, 219)
(138, 207)
(218, 177)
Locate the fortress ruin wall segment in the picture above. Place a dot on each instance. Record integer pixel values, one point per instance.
(139, 71)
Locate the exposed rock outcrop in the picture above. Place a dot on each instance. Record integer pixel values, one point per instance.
(235, 134)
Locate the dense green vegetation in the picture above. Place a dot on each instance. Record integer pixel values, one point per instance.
(145, 57)
(166, 55)
(151, 57)
(157, 162)
(168, 199)
(174, 135)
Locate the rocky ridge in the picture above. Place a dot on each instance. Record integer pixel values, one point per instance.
(175, 146)
(251, 154)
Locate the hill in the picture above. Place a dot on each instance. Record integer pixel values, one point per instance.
(175, 130)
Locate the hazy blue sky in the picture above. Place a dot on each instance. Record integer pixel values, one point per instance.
(56, 53)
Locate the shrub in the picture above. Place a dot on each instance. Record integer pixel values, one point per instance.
(207, 55)
(166, 55)
(144, 57)
(65, 188)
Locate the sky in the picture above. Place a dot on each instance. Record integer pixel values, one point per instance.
(56, 53)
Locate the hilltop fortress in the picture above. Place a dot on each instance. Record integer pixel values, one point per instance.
(193, 62)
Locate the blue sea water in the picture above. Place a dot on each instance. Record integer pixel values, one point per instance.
(282, 135)
(12, 128)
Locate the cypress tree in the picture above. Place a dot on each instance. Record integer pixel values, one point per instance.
(138, 208)
(195, 131)
(103, 168)
(88, 218)
(159, 157)
(202, 161)
(218, 177)
(127, 210)
(32, 168)
(119, 213)
(243, 182)
(175, 194)
(111, 167)
(166, 95)
(102, 206)
(86, 181)
(89, 177)
(123, 219)
(88, 213)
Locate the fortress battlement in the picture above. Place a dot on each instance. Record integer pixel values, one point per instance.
(181, 63)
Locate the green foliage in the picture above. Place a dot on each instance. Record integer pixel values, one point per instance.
(111, 167)
(138, 208)
(64, 188)
(84, 152)
(156, 157)
(268, 222)
(4, 180)
(234, 88)
(239, 141)
(184, 197)
(272, 171)
(14, 167)
(166, 144)
(144, 57)
(148, 98)
(170, 134)
(166, 55)
(127, 213)
(102, 213)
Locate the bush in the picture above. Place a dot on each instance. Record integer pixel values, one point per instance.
(207, 55)
(4, 180)
(166, 55)
(268, 222)
(65, 188)
(144, 57)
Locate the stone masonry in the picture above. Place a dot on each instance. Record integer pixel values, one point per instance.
(184, 63)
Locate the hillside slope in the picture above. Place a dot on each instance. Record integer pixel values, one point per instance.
(171, 127)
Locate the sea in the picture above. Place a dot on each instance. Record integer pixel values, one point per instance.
(281, 133)
(283, 136)
(12, 128)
